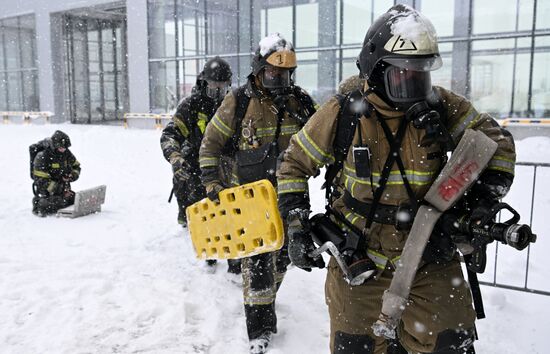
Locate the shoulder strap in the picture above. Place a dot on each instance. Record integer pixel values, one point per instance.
(345, 129)
(242, 100)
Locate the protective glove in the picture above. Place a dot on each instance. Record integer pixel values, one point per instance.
(182, 175)
(213, 190)
(300, 243)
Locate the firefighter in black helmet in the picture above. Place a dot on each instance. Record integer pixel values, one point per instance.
(181, 138)
(404, 127)
(53, 168)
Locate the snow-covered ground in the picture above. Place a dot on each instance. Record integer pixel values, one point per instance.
(126, 280)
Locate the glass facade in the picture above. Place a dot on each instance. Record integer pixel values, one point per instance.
(18, 67)
(497, 58)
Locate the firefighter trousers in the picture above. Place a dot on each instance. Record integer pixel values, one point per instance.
(438, 319)
(262, 276)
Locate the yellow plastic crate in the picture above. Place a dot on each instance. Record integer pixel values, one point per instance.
(246, 222)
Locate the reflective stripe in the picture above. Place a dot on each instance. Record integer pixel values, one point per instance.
(182, 127)
(55, 165)
(290, 129)
(501, 163)
(287, 129)
(51, 187)
(353, 217)
(298, 185)
(221, 126)
(312, 150)
(349, 183)
(202, 121)
(261, 297)
(234, 180)
(381, 260)
(414, 177)
(41, 174)
(209, 161)
(464, 122)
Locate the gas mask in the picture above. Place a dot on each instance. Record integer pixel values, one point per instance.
(217, 90)
(277, 81)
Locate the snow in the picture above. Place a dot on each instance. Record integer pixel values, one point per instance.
(126, 280)
(274, 43)
(414, 26)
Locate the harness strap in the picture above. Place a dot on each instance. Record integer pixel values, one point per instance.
(399, 161)
(345, 130)
(395, 145)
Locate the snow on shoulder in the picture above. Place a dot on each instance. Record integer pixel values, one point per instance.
(275, 42)
(412, 25)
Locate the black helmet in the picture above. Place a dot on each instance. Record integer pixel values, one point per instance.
(214, 80)
(399, 51)
(215, 69)
(276, 53)
(60, 140)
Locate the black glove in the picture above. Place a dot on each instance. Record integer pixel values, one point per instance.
(213, 190)
(300, 243)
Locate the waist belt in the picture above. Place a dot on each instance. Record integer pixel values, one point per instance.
(401, 217)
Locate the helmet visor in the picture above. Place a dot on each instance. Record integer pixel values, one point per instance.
(273, 77)
(433, 62)
(403, 85)
(217, 89)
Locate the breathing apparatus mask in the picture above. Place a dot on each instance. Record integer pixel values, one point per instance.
(277, 81)
(217, 90)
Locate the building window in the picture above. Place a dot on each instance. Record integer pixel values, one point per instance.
(18, 69)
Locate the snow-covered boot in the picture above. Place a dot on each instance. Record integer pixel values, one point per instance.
(259, 345)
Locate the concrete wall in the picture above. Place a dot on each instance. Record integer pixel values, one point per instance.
(50, 55)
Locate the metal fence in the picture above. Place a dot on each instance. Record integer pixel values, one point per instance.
(536, 166)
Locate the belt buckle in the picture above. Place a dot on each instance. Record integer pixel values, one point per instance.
(404, 217)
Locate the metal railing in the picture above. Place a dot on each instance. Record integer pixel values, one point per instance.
(524, 288)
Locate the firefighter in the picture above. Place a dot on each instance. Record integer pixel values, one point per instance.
(399, 51)
(181, 138)
(254, 123)
(53, 168)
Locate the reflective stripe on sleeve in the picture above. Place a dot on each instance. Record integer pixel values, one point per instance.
(209, 161)
(464, 122)
(501, 163)
(312, 150)
(221, 126)
(298, 185)
(41, 174)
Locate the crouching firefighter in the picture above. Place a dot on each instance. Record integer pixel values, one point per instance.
(254, 124)
(181, 138)
(53, 168)
(384, 146)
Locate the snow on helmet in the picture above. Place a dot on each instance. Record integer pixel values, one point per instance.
(216, 69)
(277, 55)
(399, 51)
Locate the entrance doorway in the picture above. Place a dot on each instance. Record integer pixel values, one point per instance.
(96, 66)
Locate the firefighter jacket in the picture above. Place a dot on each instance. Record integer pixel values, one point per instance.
(53, 171)
(181, 138)
(312, 147)
(258, 127)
